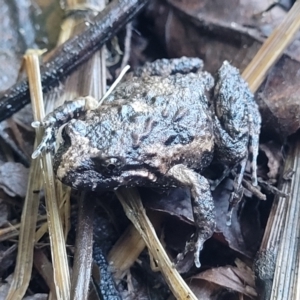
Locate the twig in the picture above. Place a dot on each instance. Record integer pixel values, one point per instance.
(73, 53)
(83, 248)
(57, 242)
(127, 46)
(135, 211)
(277, 256)
(22, 272)
(272, 48)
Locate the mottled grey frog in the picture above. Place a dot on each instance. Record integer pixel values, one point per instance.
(160, 128)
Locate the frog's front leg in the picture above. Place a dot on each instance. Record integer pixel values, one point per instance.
(232, 153)
(203, 206)
(60, 116)
(236, 127)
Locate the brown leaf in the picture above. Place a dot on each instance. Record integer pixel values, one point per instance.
(13, 179)
(205, 290)
(7, 258)
(5, 209)
(243, 234)
(279, 97)
(275, 159)
(239, 279)
(177, 203)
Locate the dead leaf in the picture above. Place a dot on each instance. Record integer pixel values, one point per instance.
(4, 286)
(7, 257)
(275, 159)
(13, 179)
(206, 290)
(4, 213)
(279, 97)
(237, 279)
(177, 203)
(243, 225)
(36, 297)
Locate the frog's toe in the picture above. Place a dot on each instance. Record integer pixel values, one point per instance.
(46, 145)
(195, 244)
(189, 247)
(235, 198)
(36, 124)
(198, 247)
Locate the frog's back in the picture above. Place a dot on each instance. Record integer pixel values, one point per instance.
(157, 122)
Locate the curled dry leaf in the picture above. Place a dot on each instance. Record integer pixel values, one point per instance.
(239, 279)
(243, 235)
(206, 290)
(274, 155)
(178, 203)
(13, 179)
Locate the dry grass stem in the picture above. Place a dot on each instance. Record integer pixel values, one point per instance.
(56, 234)
(272, 48)
(13, 231)
(135, 211)
(22, 272)
(89, 79)
(44, 267)
(278, 256)
(286, 232)
(125, 252)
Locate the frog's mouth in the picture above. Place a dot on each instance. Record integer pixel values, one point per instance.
(82, 173)
(73, 157)
(82, 166)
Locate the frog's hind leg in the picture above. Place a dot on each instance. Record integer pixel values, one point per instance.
(254, 131)
(60, 116)
(254, 121)
(203, 207)
(238, 190)
(236, 127)
(235, 155)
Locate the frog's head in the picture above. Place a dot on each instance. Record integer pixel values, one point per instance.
(83, 163)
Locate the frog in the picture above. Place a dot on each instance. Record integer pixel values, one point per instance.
(161, 127)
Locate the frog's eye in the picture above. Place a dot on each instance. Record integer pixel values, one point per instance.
(112, 164)
(111, 167)
(108, 166)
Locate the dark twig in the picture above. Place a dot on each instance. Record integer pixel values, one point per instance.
(83, 248)
(73, 53)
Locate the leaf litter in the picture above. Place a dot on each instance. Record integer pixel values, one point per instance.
(214, 31)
